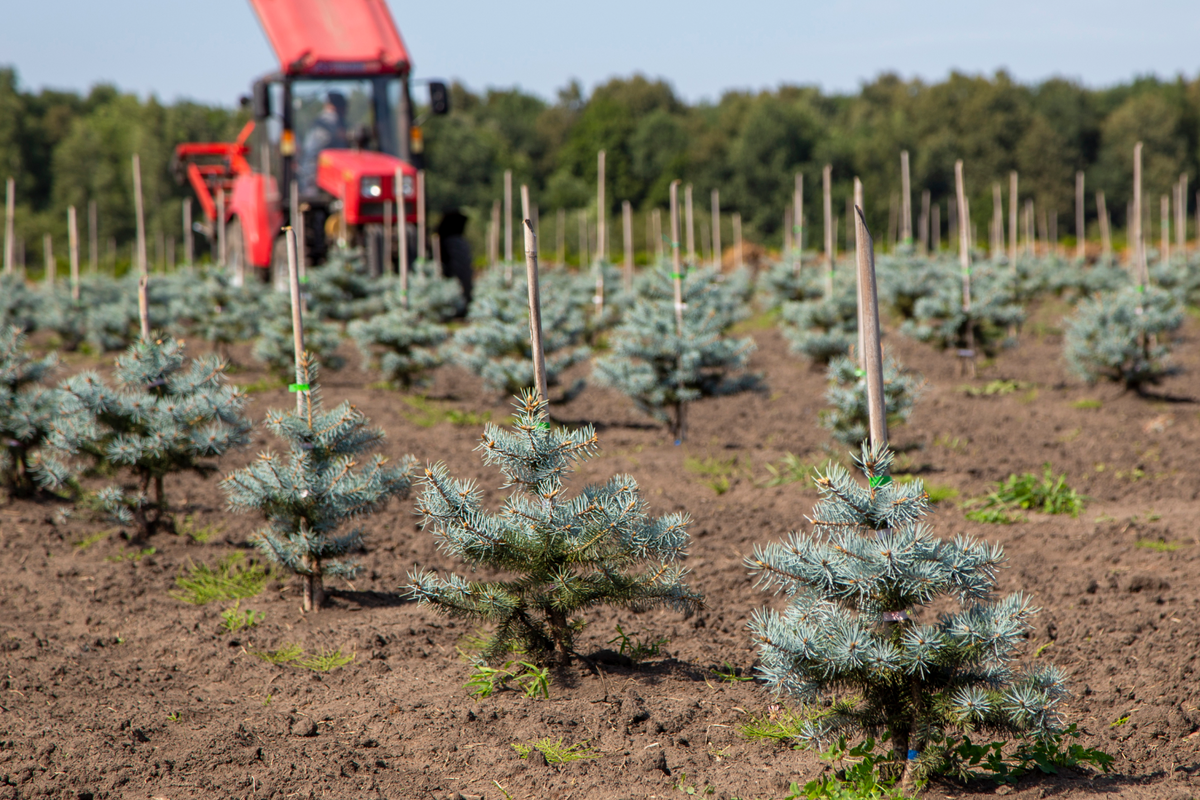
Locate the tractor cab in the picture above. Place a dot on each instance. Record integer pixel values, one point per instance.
(329, 150)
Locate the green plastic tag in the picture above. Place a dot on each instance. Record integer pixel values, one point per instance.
(545, 426)
(676, 276)
(1142, 289)
(880, 480)
(304, 279)
(297, 387)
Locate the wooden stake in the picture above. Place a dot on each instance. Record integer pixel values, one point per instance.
(739, 260)
(905, 200)
(601, 211)
(535, 312)
(827, 187)
(297, 318)
(798, 222)
(935, 228)
(858, 257)
(1030, 233)
(141, 216)
(237, 278)
(387, 236)
(1164, 229)
(964, 244)
(997, 238)
(923, 232)
(627, 230)
(677, 281)
(50, 265)
(508, 230)
(73, 245)
(1139, 249)
(10, 190)
(1012, 222)
(560, 230)
(869, 314)
(188, 253)
(401, 241)
(1080, 220)
(691, 229)
(1105, 230)
(1181, 210)
(144, 307)
(420, 215)
(716, 228)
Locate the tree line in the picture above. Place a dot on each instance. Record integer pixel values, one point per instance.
(64, 148)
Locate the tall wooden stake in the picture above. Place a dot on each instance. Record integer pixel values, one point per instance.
(627, 230)
(1139, 248)
(797, 221)
(93, 238)
(560, 230)
(935, 228)
(858, 256)
(1181, 210)
(716, 228)
(997, 238)
(1080, 220)
(141, 216)
(302, 388)
(401, 241)
(508, 229)
(905, 200)
(601, 211)
(1012, 221)
(1164, 229)
(738, 255)
(188, 253)
(144, 307)
(51, 265)
(923, 232)
(964, 261)
(691, 228)
(73, 245)
(827, 187)
(677, 282)
(864, 249)
(535, 311)
(420, 215)
(1105, 229)
(10, 191)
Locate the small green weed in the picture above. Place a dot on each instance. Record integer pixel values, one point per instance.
(994, 388)
(324, 660)
(1038, 653)
(732, 674)
(693, 789)
(953, 443)
(234, 619)
(1087, 403)
(284, 655)
(263, 385)
(426, 413)
(790, 469)
(716, 472)
(636, 648)
(84, 544)
(1119, 721)
(556, 752)
(857, 777)
(533, 681)
(782, 724)
(1158, 546)
(232, 579)
(200, 534)
(131, 555)
(174, 717)
(1047, 494)
(966, 760)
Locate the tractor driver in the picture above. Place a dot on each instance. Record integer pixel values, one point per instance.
(328, 131)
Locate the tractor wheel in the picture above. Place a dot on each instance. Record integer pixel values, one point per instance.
(235, 252)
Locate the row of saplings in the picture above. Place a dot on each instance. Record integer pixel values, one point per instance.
(856, 631)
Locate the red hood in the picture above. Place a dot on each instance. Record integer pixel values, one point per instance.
(333, 36)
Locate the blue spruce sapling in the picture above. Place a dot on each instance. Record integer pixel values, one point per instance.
(27, 409)
(310, 493)
(1124, 336)
(849, 418)
(566, 554)
(167, 416)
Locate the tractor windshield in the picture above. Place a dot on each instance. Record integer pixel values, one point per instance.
(340, 114)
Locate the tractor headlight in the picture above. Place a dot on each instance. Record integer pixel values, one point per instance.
(406, 186)
(371, 186)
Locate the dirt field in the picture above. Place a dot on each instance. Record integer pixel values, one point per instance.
(110, 688)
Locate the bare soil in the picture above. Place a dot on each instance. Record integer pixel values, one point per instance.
(110, 688)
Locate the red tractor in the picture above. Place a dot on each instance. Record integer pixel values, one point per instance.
(335, 122)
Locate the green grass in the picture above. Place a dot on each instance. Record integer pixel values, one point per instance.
(1087, 403)
(232, 579)
(426, 413)
(938, 492)
(263, 385)
(84, 544)
(1047, 494)
(292, 655)
(759, 322)
(993, 388)
(635, 647)
(131, 555)
(1159, 547)
(197, 533)
(716, 473)
(234, 619)
(556, 752)
(731, 674)
(790, 469)
(532, 680)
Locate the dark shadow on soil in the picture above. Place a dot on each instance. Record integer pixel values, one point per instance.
(370, 599)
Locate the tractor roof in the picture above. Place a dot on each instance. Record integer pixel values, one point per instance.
(333, 37)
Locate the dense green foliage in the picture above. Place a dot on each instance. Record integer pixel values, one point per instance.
(65, 149)
(27, 408)
(565, 554)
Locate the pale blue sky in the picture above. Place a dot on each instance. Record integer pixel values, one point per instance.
(211, 50)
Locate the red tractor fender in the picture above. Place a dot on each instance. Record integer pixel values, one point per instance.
(257, 208)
